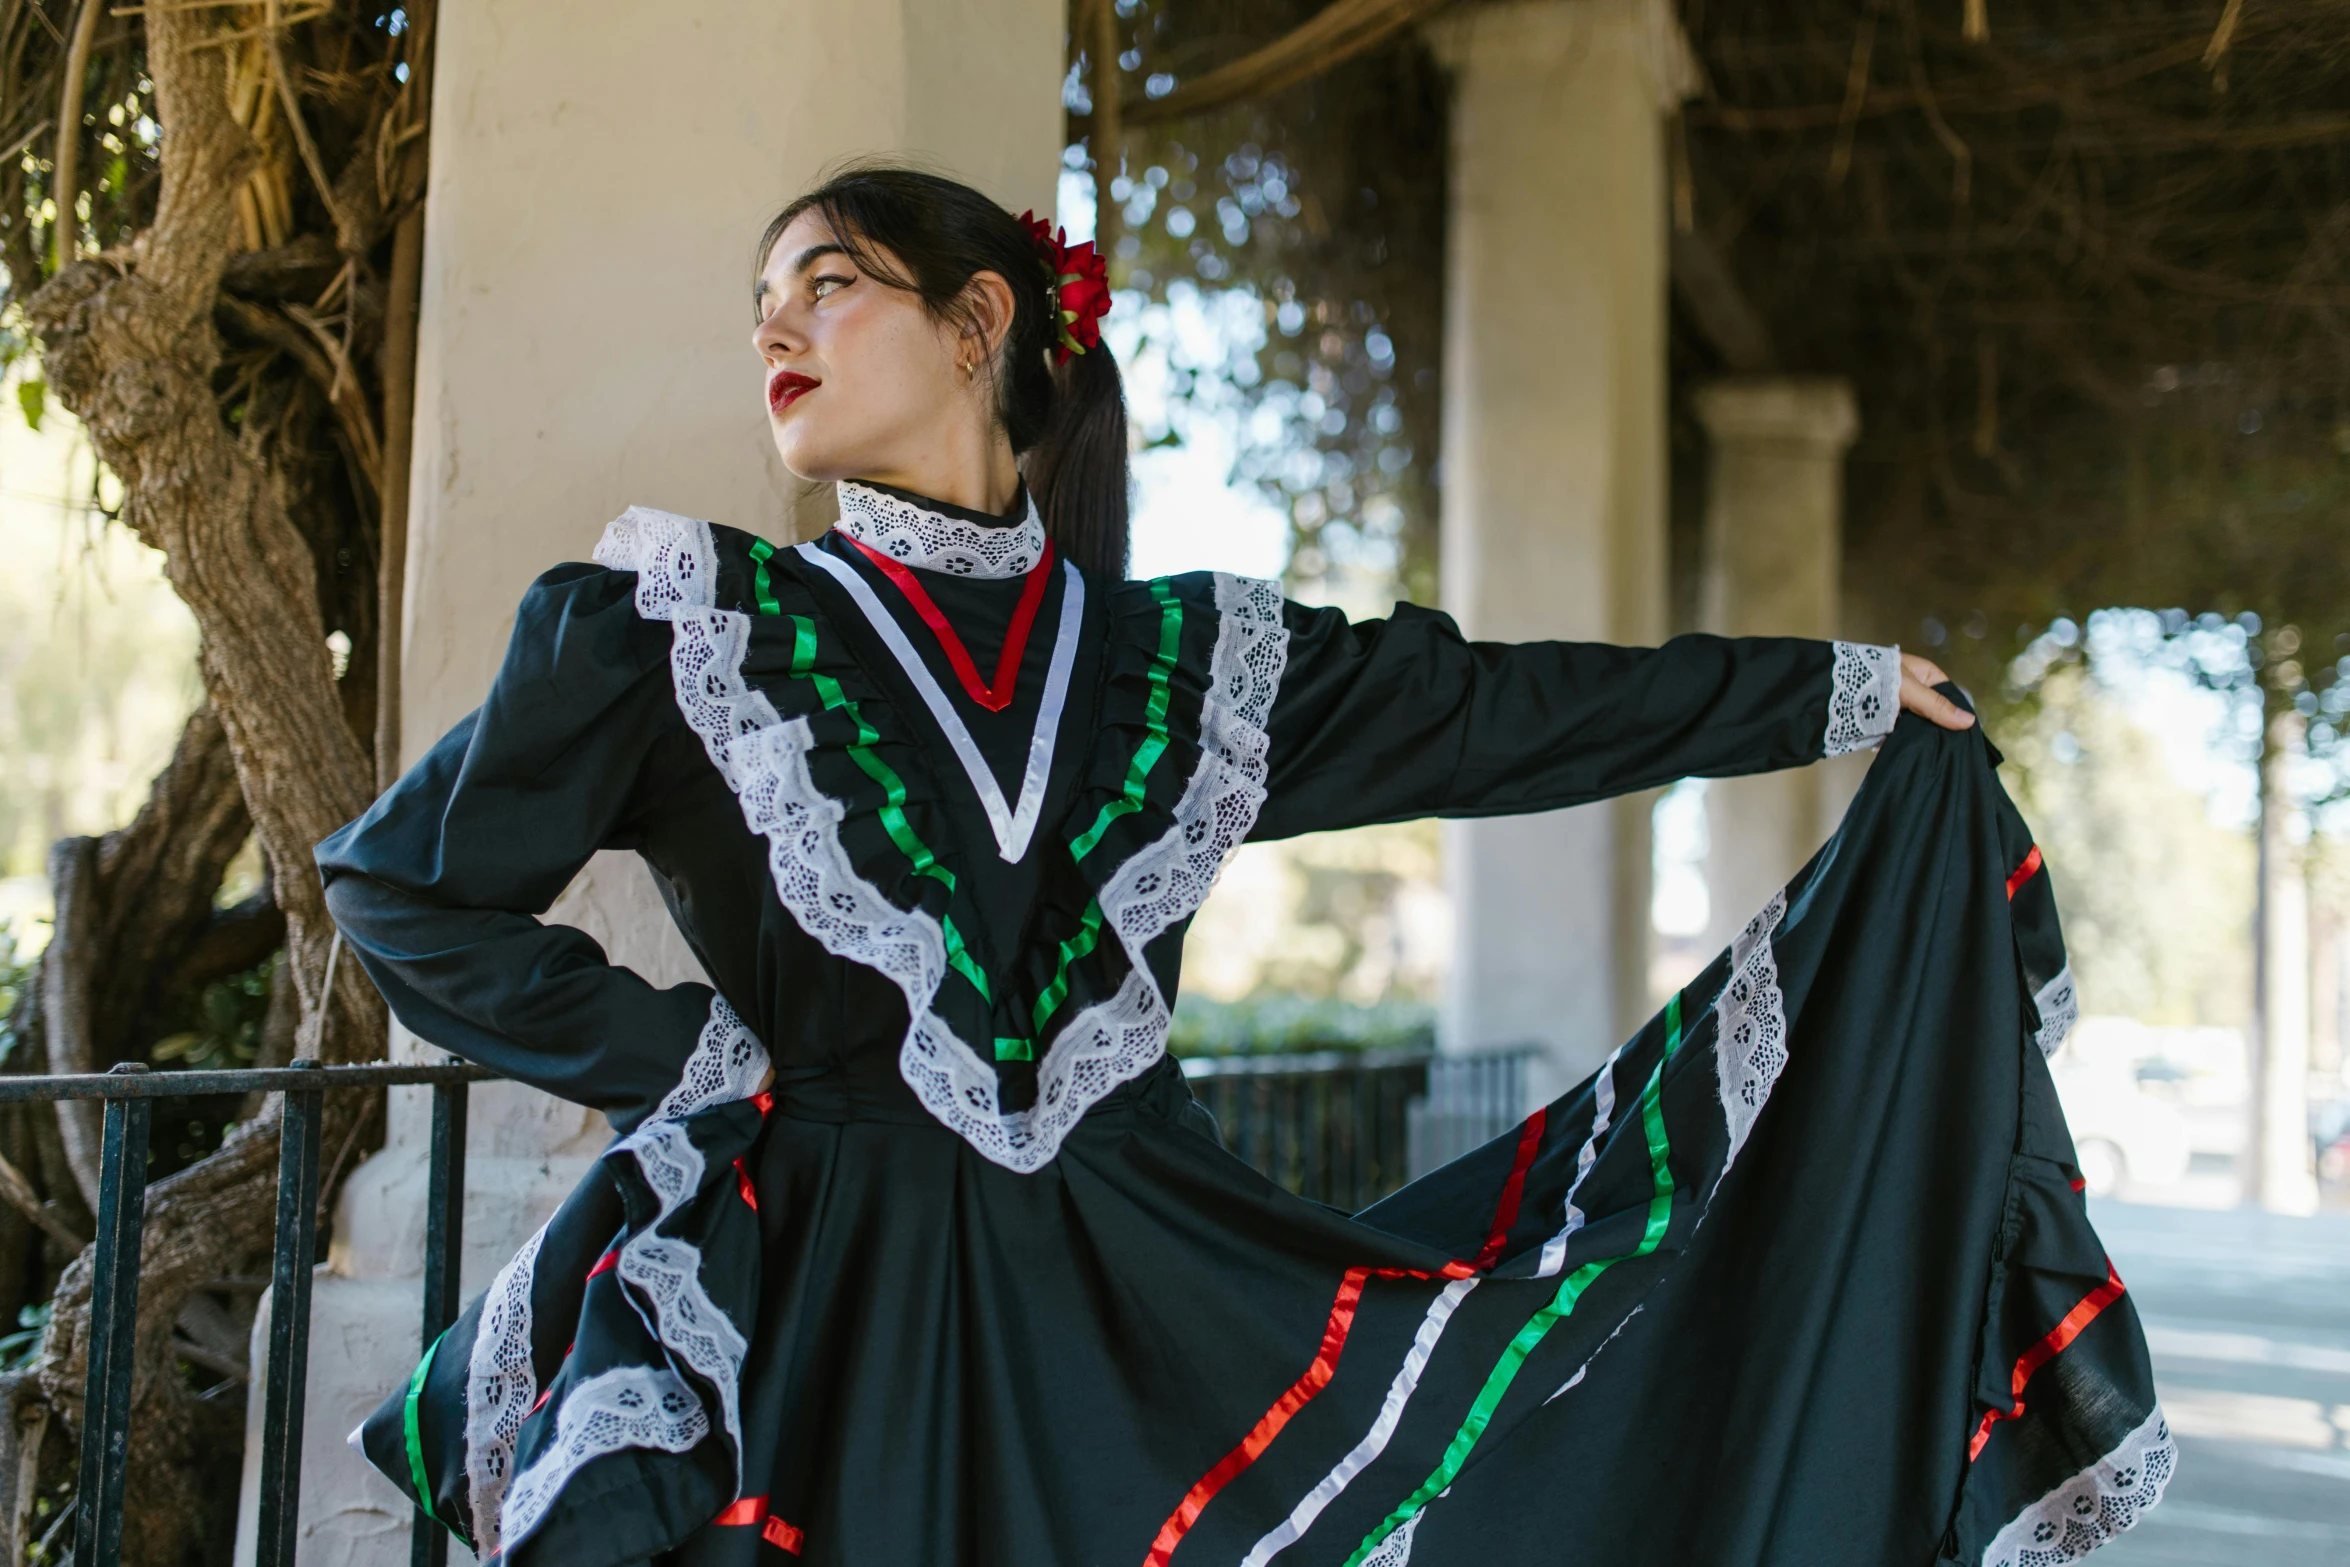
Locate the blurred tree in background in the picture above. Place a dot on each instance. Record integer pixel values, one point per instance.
(210, 228)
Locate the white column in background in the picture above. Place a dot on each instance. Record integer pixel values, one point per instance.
(1773, 543)
(1554, 469)
(2281, 1159)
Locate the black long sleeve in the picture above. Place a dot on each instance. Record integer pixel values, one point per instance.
(1387, 720)
(438, 888)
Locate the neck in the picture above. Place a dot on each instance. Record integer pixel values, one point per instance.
(979, 475)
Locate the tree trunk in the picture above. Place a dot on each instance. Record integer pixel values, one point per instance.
(130, 346)
(135, 925)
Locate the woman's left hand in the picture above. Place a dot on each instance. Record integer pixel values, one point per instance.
(1919, 677)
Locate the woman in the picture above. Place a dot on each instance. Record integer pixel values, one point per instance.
(915, 1248)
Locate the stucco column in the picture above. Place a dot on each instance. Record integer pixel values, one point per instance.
(2280, 1167)
(1773, 544)
(1554, 474)
(600, 172)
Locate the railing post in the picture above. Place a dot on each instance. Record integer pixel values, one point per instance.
(114, 1315)
(444, 1249)
(289, 1324)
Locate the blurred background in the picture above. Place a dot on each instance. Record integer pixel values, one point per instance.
(2017, 334)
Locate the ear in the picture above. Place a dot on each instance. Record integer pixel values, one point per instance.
(990, 301)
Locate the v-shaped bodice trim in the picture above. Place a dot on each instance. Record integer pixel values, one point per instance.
(1149, 847)
(1013, 825)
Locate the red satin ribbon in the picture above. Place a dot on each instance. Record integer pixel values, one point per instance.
(997, 696)
(751, 1512)
(1335, 1331)
(2023, 873)
(2057, 1340)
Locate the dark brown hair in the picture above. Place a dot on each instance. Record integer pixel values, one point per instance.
(931, 236)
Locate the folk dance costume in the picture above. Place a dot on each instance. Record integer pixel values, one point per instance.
(1801, 1274)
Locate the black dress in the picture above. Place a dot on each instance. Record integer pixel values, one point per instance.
(1802, 1274)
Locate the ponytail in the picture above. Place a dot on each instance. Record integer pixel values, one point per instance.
(910, 229)
(1077, 472)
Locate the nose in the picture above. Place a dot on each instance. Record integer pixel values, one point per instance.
(773, 339)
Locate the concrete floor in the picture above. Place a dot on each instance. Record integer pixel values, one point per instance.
(2248, 1317)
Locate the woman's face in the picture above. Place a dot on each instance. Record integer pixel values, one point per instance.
(860, 380)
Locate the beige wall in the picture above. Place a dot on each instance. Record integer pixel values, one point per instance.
(600, 173)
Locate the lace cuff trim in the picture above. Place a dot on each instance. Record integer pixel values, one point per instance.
(934, 541)
(763, 759)
(2093, 1506)
(1864, 696)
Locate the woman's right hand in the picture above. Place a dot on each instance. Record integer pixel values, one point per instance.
(1919, 677)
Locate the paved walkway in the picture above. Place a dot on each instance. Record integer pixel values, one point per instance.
(2248, 1316)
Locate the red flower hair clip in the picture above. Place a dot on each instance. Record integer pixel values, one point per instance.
(1080, 281)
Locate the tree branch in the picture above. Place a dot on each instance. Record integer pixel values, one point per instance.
(65, 237)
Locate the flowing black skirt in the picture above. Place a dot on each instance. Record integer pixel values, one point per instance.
(1801, 1275)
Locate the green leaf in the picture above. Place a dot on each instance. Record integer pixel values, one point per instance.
(33, 398)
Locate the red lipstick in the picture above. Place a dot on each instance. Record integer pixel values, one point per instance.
(786, 387)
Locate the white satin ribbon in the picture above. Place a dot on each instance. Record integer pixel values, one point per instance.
(1013, 826)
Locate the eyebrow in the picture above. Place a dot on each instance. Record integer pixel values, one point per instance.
(801, 262)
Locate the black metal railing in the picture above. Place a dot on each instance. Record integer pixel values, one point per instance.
(1471, 1100)
(1347, 1127)
(1342, 1126)
(130, 1092)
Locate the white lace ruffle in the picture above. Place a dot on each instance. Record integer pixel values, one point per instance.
(666, 1273)
(2093, 1506)
(1168, 878)
(935, 541)
(630, 1406)
(500, 1387)
(1864, 696)
(763, 759)
(1750, 1043)
(728, 1063)
(2059, 1006)
(674, 559)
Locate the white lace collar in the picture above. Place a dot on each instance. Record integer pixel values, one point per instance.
(918, 535)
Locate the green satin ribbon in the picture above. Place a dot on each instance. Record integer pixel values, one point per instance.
(412, 1427)
(1559, 1308)
(1154, 743)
